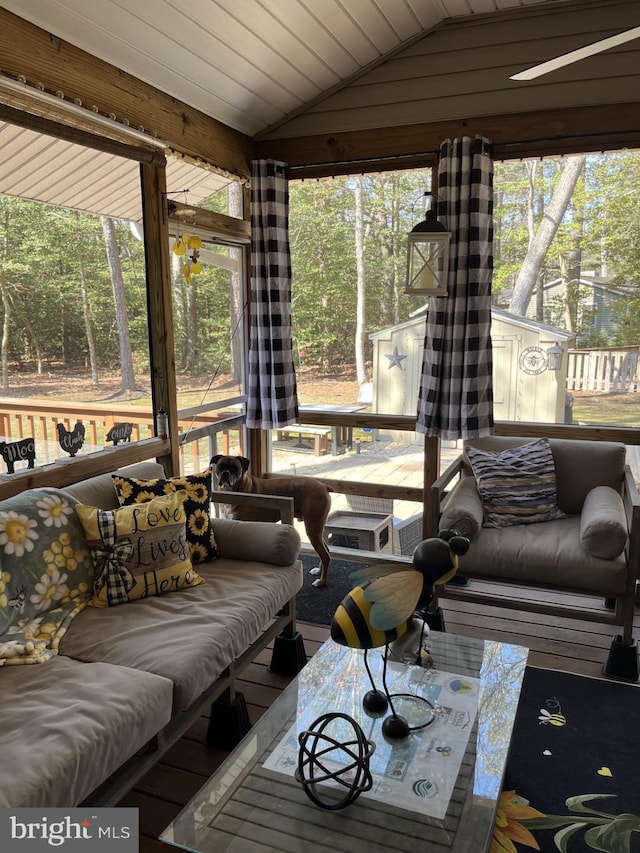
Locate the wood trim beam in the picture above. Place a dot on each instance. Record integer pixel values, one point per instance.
(46, 60)
(159, 309)
(76, 135)
(238, 230)
(533, 134)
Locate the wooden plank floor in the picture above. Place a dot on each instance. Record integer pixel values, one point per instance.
(569, 645)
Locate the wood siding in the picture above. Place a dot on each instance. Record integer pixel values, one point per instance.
(462, 69)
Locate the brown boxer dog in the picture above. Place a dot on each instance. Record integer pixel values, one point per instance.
(311, 501)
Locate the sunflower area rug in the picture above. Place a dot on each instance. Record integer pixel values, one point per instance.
(573, 777)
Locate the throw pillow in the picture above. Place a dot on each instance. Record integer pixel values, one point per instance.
(138, 550)
(517, 485)
(46, 574)
(200, 537)
(603, 523)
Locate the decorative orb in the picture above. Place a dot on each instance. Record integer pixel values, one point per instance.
(353, 774)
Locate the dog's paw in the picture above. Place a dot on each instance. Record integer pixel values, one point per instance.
(319, 582)
(315, 571)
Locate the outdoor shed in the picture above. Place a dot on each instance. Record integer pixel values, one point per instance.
(526, 388)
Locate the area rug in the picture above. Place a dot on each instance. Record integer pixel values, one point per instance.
(318, 604)
(573, 777)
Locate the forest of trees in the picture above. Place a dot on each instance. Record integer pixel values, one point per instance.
(72, 285)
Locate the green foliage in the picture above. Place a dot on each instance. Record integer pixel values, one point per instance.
(45, 252)
(322, 234)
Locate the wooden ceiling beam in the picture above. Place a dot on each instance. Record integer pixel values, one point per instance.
(45, 61)
(533, 134)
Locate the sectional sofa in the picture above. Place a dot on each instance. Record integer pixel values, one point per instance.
(110, 688)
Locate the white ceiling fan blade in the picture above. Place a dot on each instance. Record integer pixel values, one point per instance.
(575, 55)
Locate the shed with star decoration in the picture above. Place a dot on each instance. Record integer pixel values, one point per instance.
(524, 388)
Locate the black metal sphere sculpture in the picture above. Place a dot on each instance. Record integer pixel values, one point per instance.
(354, 774)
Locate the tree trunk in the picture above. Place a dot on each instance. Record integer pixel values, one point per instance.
(4, 347)
(547, 230)
(236, 295)
(88, 328)
(360, 286)
(179, 310)
(120, 303)
(4, 288)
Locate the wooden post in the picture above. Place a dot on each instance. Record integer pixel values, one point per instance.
(159, 307)
(431, 474)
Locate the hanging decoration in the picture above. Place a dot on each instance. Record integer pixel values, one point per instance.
(188, 246)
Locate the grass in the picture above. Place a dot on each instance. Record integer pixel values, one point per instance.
(622, 410)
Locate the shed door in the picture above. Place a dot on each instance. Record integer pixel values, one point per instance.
(505, 377)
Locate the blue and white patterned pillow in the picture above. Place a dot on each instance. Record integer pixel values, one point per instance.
(518, 485)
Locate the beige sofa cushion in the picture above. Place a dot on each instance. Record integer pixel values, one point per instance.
(100, 491)
(65, 726)
(190, 636)
(555, 559)
(603, 524)
(580, 465)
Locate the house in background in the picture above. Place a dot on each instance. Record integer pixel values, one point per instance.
(524, 385)
(595, 313)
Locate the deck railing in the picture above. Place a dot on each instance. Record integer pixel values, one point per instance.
(201, 432)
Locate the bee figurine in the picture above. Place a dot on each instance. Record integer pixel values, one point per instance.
(380, 608)
(377, 611)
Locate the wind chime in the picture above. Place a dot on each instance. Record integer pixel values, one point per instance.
(188, 246)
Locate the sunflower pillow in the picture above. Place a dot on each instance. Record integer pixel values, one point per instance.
(200, 536)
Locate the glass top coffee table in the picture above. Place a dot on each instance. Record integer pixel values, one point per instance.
(437, 789)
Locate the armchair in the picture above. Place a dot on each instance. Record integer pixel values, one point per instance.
(589, 545)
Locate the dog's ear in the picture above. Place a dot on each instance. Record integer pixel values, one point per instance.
(214, 459)
(245, 463)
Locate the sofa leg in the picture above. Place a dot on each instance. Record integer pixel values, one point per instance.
(289, 655)
(622, 660)
(228, 723)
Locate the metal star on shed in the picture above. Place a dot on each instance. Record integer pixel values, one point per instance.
(395, 359)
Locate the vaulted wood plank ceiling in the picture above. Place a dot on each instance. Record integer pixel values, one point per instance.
(249, 63)
(293, 68)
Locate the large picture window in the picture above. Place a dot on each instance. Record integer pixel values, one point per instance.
(566, 290)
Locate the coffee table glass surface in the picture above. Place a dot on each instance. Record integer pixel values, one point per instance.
(435, 790)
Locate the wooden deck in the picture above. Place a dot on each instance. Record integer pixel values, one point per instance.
(569, 645)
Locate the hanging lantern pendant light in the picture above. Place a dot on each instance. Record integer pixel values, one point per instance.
(428, 257)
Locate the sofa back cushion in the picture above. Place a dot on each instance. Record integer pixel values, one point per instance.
(580, 465)
(99, 491)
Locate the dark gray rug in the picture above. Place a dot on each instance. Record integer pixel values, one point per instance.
(318, 604)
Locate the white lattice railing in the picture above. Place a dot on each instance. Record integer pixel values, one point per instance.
(604, 370)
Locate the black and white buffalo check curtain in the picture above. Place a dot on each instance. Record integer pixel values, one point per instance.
(456, 392)
(272, 391)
